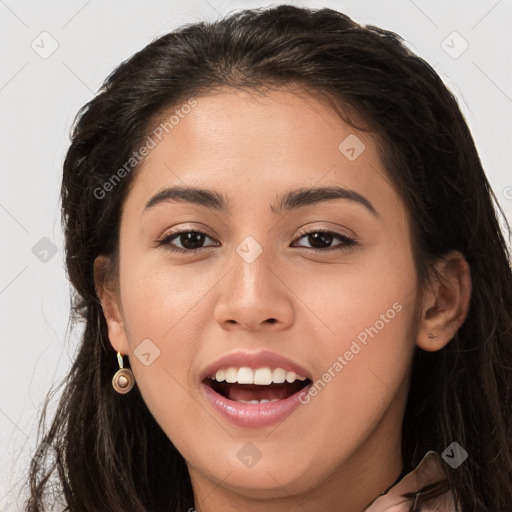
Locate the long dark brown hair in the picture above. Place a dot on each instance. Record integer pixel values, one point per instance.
(104, 451)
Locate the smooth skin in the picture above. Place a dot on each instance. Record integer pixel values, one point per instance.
(342, 449)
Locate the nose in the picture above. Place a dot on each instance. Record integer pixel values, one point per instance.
(254, 296)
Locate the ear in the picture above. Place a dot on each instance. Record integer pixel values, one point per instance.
(110, 303)
(445, 303)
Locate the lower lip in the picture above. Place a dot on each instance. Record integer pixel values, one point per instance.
(253, 415)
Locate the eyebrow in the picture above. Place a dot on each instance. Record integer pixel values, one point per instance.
(289, 201)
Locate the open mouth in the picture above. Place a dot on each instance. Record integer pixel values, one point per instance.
(255, 397)
(256, 393)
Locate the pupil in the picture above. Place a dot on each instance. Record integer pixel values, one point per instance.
(187, 239)
(323, 237)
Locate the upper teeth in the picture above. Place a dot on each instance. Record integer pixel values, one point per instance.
(262, 376)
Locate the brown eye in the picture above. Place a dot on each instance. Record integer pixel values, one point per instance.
(322, 240)
(190, 241)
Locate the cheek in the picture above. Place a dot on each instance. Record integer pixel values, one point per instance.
(371, 295)
(160, 297)
(160, 314)
(365, 335)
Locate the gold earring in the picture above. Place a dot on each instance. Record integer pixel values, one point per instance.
(123, 379)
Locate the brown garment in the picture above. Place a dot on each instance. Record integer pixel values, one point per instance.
(428, 471)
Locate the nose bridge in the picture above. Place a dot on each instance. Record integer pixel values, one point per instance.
(251, 273)
(253, 294)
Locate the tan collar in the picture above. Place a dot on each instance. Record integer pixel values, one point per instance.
(428, 471)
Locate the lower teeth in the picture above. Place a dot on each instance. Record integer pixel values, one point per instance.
(257, 401)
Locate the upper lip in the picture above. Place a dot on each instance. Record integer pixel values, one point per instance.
(254, 360)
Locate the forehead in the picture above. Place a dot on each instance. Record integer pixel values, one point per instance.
(254, 145)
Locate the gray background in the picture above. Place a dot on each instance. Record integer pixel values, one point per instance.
(41, 91)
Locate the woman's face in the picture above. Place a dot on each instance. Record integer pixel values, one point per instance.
(255, 289)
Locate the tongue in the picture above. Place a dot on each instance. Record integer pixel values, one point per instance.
(248, 392)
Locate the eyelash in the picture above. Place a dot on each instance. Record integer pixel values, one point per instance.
(348, 243)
